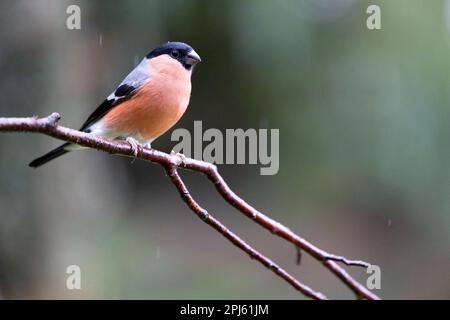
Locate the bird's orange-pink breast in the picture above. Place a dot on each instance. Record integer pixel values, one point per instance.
(158, 105)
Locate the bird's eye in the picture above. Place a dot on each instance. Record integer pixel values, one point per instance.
(175, 53)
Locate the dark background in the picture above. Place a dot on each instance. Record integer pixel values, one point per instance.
(364, 152)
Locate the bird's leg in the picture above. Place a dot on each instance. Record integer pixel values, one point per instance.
(136, 147)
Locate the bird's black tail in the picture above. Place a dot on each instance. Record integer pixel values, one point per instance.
(55, 153)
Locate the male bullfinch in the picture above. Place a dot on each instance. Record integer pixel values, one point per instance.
(147, 103)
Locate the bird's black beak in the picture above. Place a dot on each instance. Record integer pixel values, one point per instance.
(192, 58)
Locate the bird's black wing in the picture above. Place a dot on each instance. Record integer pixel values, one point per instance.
(122, 93)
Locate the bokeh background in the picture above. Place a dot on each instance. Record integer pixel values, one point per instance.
(364, 119)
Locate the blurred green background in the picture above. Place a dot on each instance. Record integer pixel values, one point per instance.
(364, 119)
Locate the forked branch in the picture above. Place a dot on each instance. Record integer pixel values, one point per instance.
(171, 162)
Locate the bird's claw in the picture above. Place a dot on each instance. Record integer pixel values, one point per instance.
(181, 157)
(136, 147)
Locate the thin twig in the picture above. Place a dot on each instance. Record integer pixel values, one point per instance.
(280, 230)
(49, 126)
(238, 242)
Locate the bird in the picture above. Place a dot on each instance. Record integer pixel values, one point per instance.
(145, 105)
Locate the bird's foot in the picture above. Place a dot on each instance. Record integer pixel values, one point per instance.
(136, 147)
(181, 156)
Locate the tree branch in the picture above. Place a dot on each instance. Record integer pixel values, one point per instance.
(238, 242)
(49, 126)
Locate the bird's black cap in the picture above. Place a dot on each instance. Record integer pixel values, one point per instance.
(179, 51)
